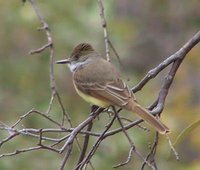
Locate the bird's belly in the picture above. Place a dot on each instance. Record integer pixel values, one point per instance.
(93, 100)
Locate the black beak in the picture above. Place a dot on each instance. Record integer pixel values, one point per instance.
(65, 61)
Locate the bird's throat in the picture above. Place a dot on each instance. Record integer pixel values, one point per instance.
(75, 65)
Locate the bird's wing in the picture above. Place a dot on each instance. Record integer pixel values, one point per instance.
(115, 92)
(101, 80)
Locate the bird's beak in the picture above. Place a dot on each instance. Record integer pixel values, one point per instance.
(65, 61)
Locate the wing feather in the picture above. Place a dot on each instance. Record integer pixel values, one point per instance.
(108, 87)
(112, 92)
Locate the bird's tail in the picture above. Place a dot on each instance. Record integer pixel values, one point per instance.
(149, 118)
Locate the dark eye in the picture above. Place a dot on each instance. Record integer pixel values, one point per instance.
(76, 57)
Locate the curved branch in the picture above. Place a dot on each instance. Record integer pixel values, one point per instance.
(180, 54)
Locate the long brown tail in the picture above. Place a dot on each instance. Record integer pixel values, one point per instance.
(149, 118)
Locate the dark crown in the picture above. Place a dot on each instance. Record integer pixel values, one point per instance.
(82, 48)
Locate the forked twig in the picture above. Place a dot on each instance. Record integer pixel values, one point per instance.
(41, 135)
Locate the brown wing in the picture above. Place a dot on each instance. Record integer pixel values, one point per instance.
(104, 84)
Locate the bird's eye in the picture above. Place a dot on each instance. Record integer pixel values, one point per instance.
(76, 57)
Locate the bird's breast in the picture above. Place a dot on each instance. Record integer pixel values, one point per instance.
(91, 99)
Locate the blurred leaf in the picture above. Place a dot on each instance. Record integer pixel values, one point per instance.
(186, 132)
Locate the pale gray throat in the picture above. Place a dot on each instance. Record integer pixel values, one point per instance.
(75, 65)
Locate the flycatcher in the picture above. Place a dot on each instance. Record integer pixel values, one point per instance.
(98, 82)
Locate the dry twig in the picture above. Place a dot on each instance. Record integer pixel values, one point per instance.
(156, 108)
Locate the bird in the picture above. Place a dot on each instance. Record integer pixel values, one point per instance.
(99, 82)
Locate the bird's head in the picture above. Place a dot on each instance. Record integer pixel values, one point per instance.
(78, 56)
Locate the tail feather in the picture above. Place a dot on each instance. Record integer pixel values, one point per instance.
(149, 118)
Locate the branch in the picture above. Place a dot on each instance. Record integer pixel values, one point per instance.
(106, 36)
(180, 54)
(79, 128)
(68, 144)
(104, 26)
(133, 148)
(176, 60)
(95, 146)
(150, 156)
(54, 91)
(41, 135)
(85, 144)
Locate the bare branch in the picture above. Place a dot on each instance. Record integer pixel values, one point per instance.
(69, 135)
(79, 127)
(95, 146)
(67, 154)
(180, 54)
(104, 26)
(128, 158)
(131, 143)
(172, 147)
(28, 150)
(39, 50)
(150, 156)
(20, 151)
(85, 144)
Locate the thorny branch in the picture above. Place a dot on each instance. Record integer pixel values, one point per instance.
(69, 135)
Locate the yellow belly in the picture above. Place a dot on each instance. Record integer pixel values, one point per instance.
(93, 100)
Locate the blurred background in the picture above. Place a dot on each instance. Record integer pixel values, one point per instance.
(143, 32)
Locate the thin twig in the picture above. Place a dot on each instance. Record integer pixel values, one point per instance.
(151, 155)
(39, 50)
(131, 143)
(172, 147)
(116, 54)
(157, 107)
(180, 54)
(79, 127)
(85, 144)
(95, 146)
(128, 158)
(104, 26)
(66, 157)
(54, 91)
(123, 129)
(28, 150)
(36, 112)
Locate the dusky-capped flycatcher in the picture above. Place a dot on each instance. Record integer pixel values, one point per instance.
(98, 82)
